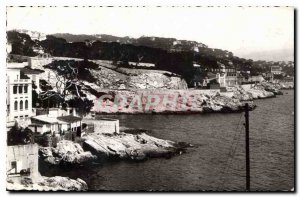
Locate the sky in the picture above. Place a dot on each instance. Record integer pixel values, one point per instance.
(250, 32)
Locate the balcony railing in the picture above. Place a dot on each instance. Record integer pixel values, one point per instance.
(22, 80)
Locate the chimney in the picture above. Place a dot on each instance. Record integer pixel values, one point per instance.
(68, 111)
(74, 112)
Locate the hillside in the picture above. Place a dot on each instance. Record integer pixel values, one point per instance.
(167, 54)
(169, 44)
(99, 75)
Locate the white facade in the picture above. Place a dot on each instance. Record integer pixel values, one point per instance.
(105, 125)
(276, 70)
(56, 121)
(221, 78)
(18, 94)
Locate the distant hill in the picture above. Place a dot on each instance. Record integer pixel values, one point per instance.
(168, 54)
(169, 44)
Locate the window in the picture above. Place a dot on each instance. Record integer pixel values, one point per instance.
(20, 89)
(14, 166)
(15, 90)
(16, 105)
(26, 104)
(21, 105)
(25, 89)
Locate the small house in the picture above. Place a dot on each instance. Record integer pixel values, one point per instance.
(57, 122)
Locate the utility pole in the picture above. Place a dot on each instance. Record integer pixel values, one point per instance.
(48, 96)
(247, 147)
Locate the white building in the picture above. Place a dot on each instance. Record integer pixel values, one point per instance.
(18, 93)
(276, 70)
(57, 121)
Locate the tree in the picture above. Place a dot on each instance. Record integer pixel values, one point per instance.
(67, 91)
(19, 136)
(83, 106)
(21, 43)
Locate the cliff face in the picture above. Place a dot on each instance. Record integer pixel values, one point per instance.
(109, 76)
(156, 81)
(143, 79)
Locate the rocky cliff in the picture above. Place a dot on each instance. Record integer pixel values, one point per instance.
(137, 79)
(108, 76)
(179, 101)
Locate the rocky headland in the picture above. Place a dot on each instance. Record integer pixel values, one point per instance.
(97, 147)
(181, 101)
(128, 146)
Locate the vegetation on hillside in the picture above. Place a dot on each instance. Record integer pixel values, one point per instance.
(166, 53)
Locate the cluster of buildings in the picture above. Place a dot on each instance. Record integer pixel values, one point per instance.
(34, 35)
(50, 125)
(19, 86)
(222, 77)
(21, 81)
(215, 77)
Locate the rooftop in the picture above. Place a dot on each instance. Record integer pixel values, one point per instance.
(46, 119)
(69, 119)
(31, 71)
(14, 65)
(50, 119)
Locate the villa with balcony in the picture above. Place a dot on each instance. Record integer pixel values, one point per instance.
(18, 93)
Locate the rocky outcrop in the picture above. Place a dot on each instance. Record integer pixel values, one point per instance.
(112, 77)
(66, 153)
(276, 87)
(156, 80)
(270, 87)
(130, 146)
(124, 78)
(56, 183)
(173, 101)
(286, 85)
(255, 91)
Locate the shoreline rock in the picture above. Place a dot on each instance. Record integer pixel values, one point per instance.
(66, 153)
(186, 101)
(127, 146)
(56, 183)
